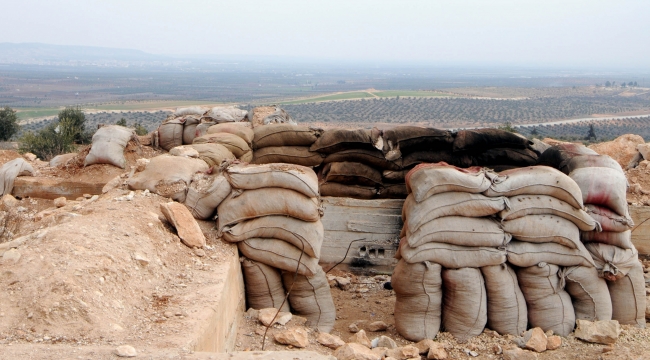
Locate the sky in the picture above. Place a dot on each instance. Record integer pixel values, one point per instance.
(576, 33)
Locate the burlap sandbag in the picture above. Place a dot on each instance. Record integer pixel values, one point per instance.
(351, 191)
(170, 133)
(586, 161)
(213, 154)
(263, 286)
(108, 146)
(464, 303)
(310, 297)
(544, 229)
(335, 140)
(299, 155)
(612, 262)
(301, 234)
(435, 156)
(557, 156)
(189, 129)
(609, 220)
(288, 176)
(397, 176)
(523, 205)
(537, 180)
(392, 191)
(483, 139)
(10, 170)
(406, 139)
(588, 292)
(453, 256)
(202, 129)
(167, 176)
(251, 204)
(205, 193)
(373, 158)
(506, 156)
(279, 254)
(236, 128)
(232, 142)
(549, 306)
(460, 230)
(418, 299)
(285, 135)
(525, 254)
(618, 239)
(628, 297)
(426, 180)
(603, 186)
(450, 204)
(350, 173)
(506, 306)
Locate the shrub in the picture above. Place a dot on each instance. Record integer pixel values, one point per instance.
(59, 137)
(8, 123)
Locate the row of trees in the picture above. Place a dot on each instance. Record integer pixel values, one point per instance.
(613, 84)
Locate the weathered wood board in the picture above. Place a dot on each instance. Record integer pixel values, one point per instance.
(641, 230)
(52, 188)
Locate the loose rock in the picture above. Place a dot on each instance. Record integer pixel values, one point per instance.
(60, 202)
(600, 332)
(295, 336)
(265, 316)
(518, 354)
(436, 352)
(126, 351)
(330, 341)
(354, 351)
(385, 341)
(30, 156)
(186, 226)
(342, 283)
(353, 328)
(9, 201)
(533, 339)
(424, 345)
(404, 352)
(377, 326)
(360, 338)
(554, 342)
(11, 256)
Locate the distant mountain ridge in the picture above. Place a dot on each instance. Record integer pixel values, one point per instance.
(38, 53)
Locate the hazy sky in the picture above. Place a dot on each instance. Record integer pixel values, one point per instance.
(612, 33)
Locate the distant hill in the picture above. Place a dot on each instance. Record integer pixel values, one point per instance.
(36, 53)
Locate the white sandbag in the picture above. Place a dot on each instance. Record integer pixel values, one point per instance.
(549, 306)
(464, 303)
(628, 297)
(189, 129)
(459, 230)
(430, 179)
(612, 262)
(237, 128)
(192, 110)
(279, 254)
(263, 286)
(170, 133)
(418, 299)
(537, 180)
(585, 161)
(310, 297)
(589, 293)
(603, 186)
(450, 204)
(523, 205)
(108, 146)
(205, 193)
(618, 239)
(62, 160)
(10, 171)
(301, 234)
(609, 220)
(251, 204)
(279, 116)
(221, 114)
(453, 256)
(288, 176)
(525, 254)
(506, 305)
(544, 229)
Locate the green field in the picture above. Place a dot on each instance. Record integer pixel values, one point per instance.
(333, 97)
(406, 93)
(30, 113)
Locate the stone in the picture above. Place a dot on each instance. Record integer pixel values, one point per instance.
(199, 252)
(496, 349)
(331, 341)
(141, 259)
(644, 149)
(437, 352)
(184, 151)
(635, 189)
(471, 353)
(30, 157)
(11, 256)
(554, 342)
(360, 338)
(87, 196)
(265, 316)
(343, 283)
(518, 354)
(534, 339)
(622, 149)
(380, 351)
(9, 202)
(295, 336)
(354, 351)
(60, 202)
(112, 184)
(252, 313)
(141, 164)
(424, 345)
(404, 352)
(353, 328)
(385, 341)
(377, 326)
(186, 226)
(601, 332)
(126, 351)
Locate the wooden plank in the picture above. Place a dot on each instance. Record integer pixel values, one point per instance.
(641, 230)
(52, 188)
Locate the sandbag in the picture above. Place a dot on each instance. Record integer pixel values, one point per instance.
(279, 116)
(430, 179)
(213, 154)
(335, 140)
(279, 254)
(307, 235)
(232, 142)
(464, 303)
(459, 230)
(418, 299)
(452, 256)
(544, 229)
(450, 204)
(351, 191)
(10, 171)
(589, 293)
(202, 129)
(405, 139)
(285, 135)
(549, 306)
(62, 160)
(612, 262)
(263, 286)
(483, 139)
(237, 128)
(628, 297)
(537, 180)
(189, 129)
(506, 156)
(205, 193)
(350, 173)
(609, 221)
(506, 305)
(192, 110)
(221, 114)
(373, 158)
(288, 176)
(299, 155)
(310, 297)
(603, 186)
(524, 205)
(618, 239)
(392, 191)
(586, 161)
(170, 133)
(557, 156)
(398, 176)
(431, 157)
(251, 204)
(108, 146)
(525, 254)
(167, 176)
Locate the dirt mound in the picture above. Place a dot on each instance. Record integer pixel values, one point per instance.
(8, 155)
(621, 149)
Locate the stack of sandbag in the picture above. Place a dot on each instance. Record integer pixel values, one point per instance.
(167, 175)
(235, 140)
(178, 128)
(108, 146)
(273, 214)
(494, 148)
(286, 143)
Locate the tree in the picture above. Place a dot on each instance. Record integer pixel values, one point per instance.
(608, 84)
(635, 84)
(139, 129)
(507, 127)
(59, 137)
(8, 123)
(591, 135)
(121, 122)
(623, 84)
(630, 84)
(72, 124)
(534, 132)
